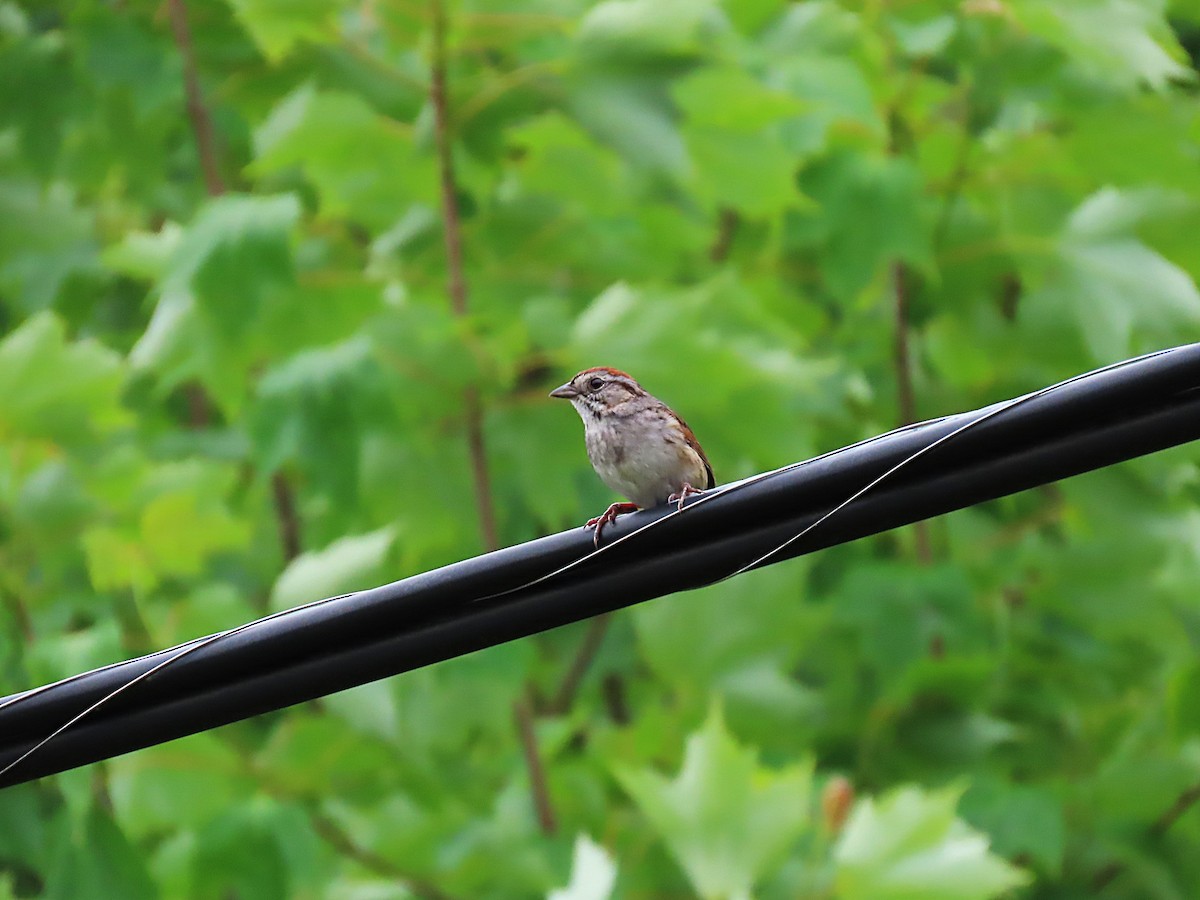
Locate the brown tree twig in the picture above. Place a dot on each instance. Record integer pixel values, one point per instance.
(727, 226)
(197, 110)
(458, 291)
(613, 688)
(1185, 801)
(456, 275)
(523, 717)
(1188, 798)
(286, 517)
(330, 832)
(589, 646)
(17, 609)
(958, 175)
(904, 385)
(900, 142)
(199, 407)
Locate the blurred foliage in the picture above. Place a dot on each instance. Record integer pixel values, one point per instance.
(751, 205)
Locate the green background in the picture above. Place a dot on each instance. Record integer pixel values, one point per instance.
(232, 380)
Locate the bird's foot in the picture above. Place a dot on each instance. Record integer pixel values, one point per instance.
(609, 515)
(684, 492)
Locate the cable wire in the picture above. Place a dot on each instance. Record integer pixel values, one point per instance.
(1124, 410)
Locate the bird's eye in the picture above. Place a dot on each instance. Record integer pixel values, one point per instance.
(595, 384)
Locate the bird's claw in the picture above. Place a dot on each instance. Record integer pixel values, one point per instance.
(684, 492)
(607, 517)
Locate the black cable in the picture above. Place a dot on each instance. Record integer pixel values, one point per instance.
(1091, 421)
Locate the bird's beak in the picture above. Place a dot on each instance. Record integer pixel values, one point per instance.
(566, 392)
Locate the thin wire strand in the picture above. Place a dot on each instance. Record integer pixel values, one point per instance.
(1004, 407)
(200, 643)
(726, 490)
(188, 648)
(184, 648)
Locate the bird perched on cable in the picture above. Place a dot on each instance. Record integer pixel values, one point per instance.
(636, 443)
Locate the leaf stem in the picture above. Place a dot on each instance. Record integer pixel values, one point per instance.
(476, 448)
(456, 277)
(589, 646)
(1185, 801)
(330, 832)
(904, 385)
(286, 517)
(523, 716)
(197, 110)
(727, 225)
(200, 117)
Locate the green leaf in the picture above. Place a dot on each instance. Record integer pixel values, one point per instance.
(116, 559)
(68, 653)
(242, 853)
(593, 873)
(838, 102)
(55, 388)
(909, 844)
(924, 37)
(650, 28)
(553, 151)
(430, 702)
(338, 141)
(676, 641)
(632, 114)
(278, 25)
(23, 827)
(99, 862)
(752, 173)
(45, 238)
(1184, 697)
(1125, 41)
(181, 530)
(312, 409)
(350, 563)
(1021, 820)
(855, 248)
(750, 16)
(186, 782)
(144, 254)
(729, 98)
(727, 820)
(232, 266)
(236, 257)
(40, 94)
(1115, 285)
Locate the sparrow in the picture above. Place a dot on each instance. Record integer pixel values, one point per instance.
(636, 443)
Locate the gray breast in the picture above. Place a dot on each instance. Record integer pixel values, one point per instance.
(640, 458)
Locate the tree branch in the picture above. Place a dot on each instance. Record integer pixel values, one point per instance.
(523, 716)
(588, 648)
(476, 448)
(1184, 802)
(330, 832)
(904, 385)
(199, 407)
(614, 698)
(286, 517)
(19, 613)
(727, 225)
(958, 175)
(198, 114)
(456, 277)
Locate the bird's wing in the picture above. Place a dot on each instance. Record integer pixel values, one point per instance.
(695, 445)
